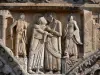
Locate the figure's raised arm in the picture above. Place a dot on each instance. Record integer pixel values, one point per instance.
(56, 33)
(36, 27)
(12, 26)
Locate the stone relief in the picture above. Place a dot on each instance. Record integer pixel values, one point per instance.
(44, 54)
(86, 66)
(20, 36)
(53, 45)
(36, 53)
(72, 39)
(46, 45)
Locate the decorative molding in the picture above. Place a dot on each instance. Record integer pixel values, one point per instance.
(85, 65)
(8, 64)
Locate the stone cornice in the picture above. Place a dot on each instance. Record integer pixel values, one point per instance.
(50, 5)
(46, 6)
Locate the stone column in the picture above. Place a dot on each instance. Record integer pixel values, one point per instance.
(4, 29)
(95, 28)
(3, 24)
(88, 32)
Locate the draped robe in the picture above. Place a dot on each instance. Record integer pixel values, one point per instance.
(53, 48)
(36, 54)
(72, 38)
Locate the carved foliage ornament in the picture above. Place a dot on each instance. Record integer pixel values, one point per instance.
(86, 65)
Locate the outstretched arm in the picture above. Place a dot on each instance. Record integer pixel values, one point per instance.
(59, 33)
(36, 27)
(11, 27)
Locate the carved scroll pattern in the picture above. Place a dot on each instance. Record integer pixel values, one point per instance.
(8, 64)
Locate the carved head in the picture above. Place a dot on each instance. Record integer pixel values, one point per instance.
(22, 16)
(42, 21)
(49, 17)
(71, 18)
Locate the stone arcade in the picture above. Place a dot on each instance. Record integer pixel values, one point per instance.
(49, 37)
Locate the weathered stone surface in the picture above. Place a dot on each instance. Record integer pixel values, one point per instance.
(48, 37)
(87, 65)
(88, 28)
(8, 64)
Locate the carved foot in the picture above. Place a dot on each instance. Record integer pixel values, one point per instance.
(39, 72)
(58, 72)
(50, 72)
(31, 72)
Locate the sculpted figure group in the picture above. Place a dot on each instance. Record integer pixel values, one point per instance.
(45, 47)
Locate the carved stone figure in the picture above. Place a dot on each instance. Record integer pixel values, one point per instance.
(21, 37)
(72, 38)
(36, 53)
(53, 45)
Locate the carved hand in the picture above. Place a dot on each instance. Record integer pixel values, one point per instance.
(45, 32)
(48, 28)
(50, 35)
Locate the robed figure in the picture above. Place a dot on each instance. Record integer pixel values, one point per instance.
(72, 38)
(53, 45)
(36, 52)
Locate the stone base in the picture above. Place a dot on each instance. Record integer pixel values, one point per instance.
(23, 63)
